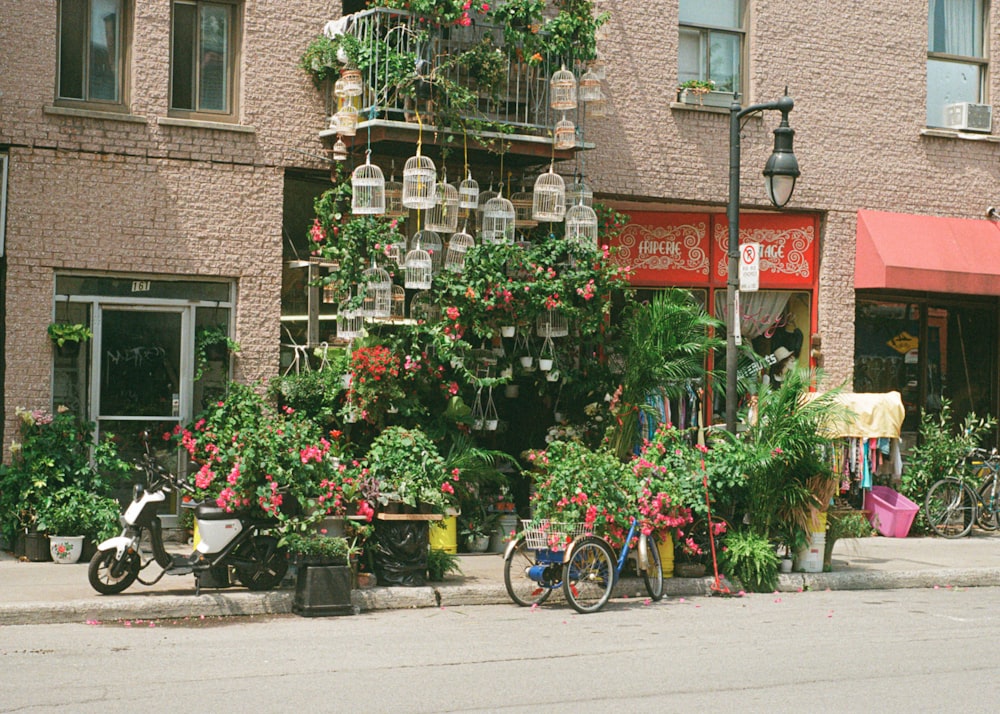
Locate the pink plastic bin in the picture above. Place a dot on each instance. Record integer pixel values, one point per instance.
(889, 512)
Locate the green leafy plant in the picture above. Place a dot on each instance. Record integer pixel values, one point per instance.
(322, 57)
(440, 563)
(313, 547)
(61, 333)
(572, 33)
(750, 558)
(941, 451)
(73, 511)
(408, 469)
(208, 338)
(698, 86)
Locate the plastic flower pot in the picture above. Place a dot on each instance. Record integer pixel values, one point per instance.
(553, 376)
(491, 424)
(508, 330)
(527, 362)
(544, 364)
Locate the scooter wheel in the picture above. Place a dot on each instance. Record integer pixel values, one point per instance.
(110, 575)
(270, 563)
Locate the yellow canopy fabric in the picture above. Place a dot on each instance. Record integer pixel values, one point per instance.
(876, 415)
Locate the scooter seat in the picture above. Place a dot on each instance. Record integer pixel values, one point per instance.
(204, 512)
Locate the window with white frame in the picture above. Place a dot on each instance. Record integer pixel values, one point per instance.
(956, 58)
(203, 59)
(712, 39)
(92, 48)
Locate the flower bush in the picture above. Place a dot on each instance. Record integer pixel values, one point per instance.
(408, 469)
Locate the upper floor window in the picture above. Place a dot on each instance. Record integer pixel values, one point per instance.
(91, 51)
(956, 61)
(203, 57)
(712, 37)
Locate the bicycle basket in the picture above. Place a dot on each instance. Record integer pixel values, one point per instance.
(552, 535)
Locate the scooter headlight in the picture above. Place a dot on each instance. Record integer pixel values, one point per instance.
(137, 492)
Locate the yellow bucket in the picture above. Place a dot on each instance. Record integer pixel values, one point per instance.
(444, 534)
(666, 548)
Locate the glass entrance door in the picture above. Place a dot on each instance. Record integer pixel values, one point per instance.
(138, 377)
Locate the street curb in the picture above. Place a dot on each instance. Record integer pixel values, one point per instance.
(152, 606)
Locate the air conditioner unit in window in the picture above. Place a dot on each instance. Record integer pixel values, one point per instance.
(966, 116)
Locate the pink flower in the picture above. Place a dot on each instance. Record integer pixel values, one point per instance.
(452, 313)
(447, 488)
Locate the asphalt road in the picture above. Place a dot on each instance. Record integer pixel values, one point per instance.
(845, 651)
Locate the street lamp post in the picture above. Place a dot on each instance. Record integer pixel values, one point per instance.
(780, 173)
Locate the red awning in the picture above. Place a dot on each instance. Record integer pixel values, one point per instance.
(903, 251)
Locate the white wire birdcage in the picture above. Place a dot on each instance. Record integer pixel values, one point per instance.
(367, 189)
(484, 198)
(549, 197)
(349, 323)
(395, 249)
(589, 88)
(458, 246)
(423, 308)
(598, 107)
(419, 180)
(418, 269)
(523, 204)
(579, 192)
(339, 90)
(394, 207)
(397, 306)
(431, 242)
(351, 82)
(345, 121)
(378, 292)
(468, 193)
(340, 150)
(443, 216)
(598, 68)
(564, 136)
(562, 90)
(498, 221)
(551, 323)
(581, 224)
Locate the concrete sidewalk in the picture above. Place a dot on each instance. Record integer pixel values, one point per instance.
(34, 593)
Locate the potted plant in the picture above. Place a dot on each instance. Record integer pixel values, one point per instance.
(476, 525)
(212, 344)
(410, 471)
(323, 577)
(68, 336)
(693, 91)
(72, 515)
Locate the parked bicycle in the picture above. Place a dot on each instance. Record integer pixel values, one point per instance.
(548, 556)
(954, 504)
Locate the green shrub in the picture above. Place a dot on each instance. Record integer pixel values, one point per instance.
(750, 558)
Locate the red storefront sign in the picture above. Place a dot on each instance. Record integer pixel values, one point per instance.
(689, 249)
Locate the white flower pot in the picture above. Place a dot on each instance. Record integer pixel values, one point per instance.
(65, 549)
(527, 362)
(508, 330)
(477, 425)
(553, 376)
(507, 372)
(544, 364)
(491, 424)
(345, 379)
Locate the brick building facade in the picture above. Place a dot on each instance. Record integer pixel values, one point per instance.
(180, 205)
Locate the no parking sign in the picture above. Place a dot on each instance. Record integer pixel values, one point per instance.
(750, 267)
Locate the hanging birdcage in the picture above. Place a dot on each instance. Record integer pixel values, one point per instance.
(590, 87)
(458, 246)
(345, 121)
(340, 150)
(422, 308)
(443, 216)
(598, 107)
(394, 207)
(468, 193)
(431, 242)
(498, 221)
(581, 225)
(395, 250)
(418, 268)
(523, 204)
(484, 198)
(552, 323)
(598, 68)
(349, 323)
(419, 180)
(564, 136)
(378, 292)
(397, 306)
(562, 90)
(367, 189)
(579, 193)
(549, 197)
(351, 83)
(339, 90)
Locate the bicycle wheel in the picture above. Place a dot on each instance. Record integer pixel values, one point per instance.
(652, 576)
(521, 588)
(950, 508)
(989, 501)
(589, 575)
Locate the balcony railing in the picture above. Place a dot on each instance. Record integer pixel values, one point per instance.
(522, 101)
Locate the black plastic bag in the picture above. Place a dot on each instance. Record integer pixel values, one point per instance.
(401, 553)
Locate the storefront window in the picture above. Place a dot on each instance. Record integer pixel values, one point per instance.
(927, 350)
